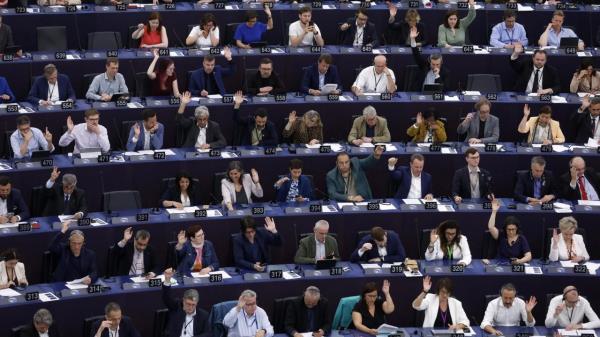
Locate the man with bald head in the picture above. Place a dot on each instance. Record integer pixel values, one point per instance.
(308, 313)
(567, 311)
(74, 260)
(377, 78)
(317, 246)
(581, 182)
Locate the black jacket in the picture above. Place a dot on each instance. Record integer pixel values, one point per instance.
(55, 201)
(16, 205)
(423, 64)
(573, 193)
(124, 258)
(172, 193)
(247, 125)
(177, 317)
(126, 328)
(581, 126)
(524, 67)
(30, 331)
(214, 136)
(369, 34)
(524, 186)
(256, 82)
(461, 184)
(397, 32)
(296, 316)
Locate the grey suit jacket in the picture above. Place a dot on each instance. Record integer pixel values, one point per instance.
(308, 249)
(490, 134)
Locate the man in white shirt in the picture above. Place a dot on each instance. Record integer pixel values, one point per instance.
(247, 319)
(567, 311)
(377, 78)
(507, 310)
(86, 135)
(26, 139)
(304, 32)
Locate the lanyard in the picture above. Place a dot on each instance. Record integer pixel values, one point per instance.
(444, 315)
(376, 80)
(570, 314)
(51, 92)
(450, 251)
(254, 322)
(347, 183)
(186, 325)
(510, 36)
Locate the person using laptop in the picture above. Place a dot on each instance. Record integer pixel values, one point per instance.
(317, 246)
(555, 31)
(317, 77)
(431, 70)
(508, 310)
(27, 139)
(252, 31)
(86, 135)
(107, 84)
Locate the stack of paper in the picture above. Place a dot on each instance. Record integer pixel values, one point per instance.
(533, 270)
(218, 272)
(412, 201)
(185, 210)
(9, 292)
(290, 275)
(386, 206)
(76, 284)
(445, 208)
(448, 98)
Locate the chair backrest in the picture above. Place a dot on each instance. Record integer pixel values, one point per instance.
(548, 240)
(121, 200)
(423, 241)
(280, 306)
(217, 313)
(51, 38)
(169, 182)
(131, 42)
(125, 128)
(171, 257)
(248, 74)
(112, 262)
(484, 82)
(489, 246)
(343, 312)
(360, 235)
(104, 41)
(49, 262)
(411, 72)
(160, 322)
(286, 33)
(229, 32)
(217, 196)
(16, 331)
(142, 85)
(489, 298)
(88, 322)
(38, 201)
(85, 83)
(7, 151)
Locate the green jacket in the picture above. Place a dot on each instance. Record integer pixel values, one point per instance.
(335, 181)
(308, 249)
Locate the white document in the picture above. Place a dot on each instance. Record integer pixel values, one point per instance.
(583, 94)
(328, 88)
(432, 200)
(48, 297)
(412, 201)
(582, 331)
(344, 98)
(472, 93)
(592, 143)
(423, 144)
(563, 210)
(63, 218)
(445, 208)
(584, 54)
(203, 150)
(288, 275)
(565, 332)
(313, 146)
(523, 8)
(175, 53)
(328, 209)
(191, 209)
(588, 202)
(162, 278)
(472, 333)
(218, 272)
(388, 146)
(5, 167)
(329, 7)
(377, 51)
(567, 264)
(228, 155)
(215, 96)
(558, 99)
(369, 265)
(387, 329)
(559, 148)
(448, 150)
(448, 98)
(386, 206)
(561, 205)
(367, 145)
(89, 155)
(211, 213)
(533, 270)
(335, 147)
(9, 225)
(76, 286)
(370, 94)
(307, 334)
(138, 279)
(409, 273)
(134, 105)
(98, 222)
(131, 153)
(341, 205)
(9, 292)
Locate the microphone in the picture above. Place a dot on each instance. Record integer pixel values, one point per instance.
(178, 39)
(322, 194)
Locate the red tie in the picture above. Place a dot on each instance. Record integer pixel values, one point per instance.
(584, 195)
(198, 261)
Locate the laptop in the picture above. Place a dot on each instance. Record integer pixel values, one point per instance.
(325, 264)
(258, 44)
(120, 96)
(432, 88)
(567, 42)
(40, 155)
(90, 152)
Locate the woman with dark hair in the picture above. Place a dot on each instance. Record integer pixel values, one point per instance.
(446, 243)
(196, 254)
(512, 245)
(183, 193)
(305, 130)
(206, 34)
(398, 30)
(371, 310)
(237, 187)
(441, 310)
(162, 74)
(453, 31)
(586, 78)
(153, 34)
(12, 272)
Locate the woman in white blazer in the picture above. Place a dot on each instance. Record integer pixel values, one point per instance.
(447, 243)
(12, 272)
(567, 245)
(441, 310)
(239, 184)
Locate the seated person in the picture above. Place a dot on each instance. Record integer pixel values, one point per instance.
(509, 32)
(195, 255)
(427, 129)
(507, 310)
(308, 313)
(581, 182)
(206, 34)
(568, 246)
(256, 130)
(371, 310)
(441, 309)
(398, 29)
(146, 134)
(12, 272)
(86, 135)
(512, 245)
(64, 198)
(42, 325)
(431, 69)
(252, 31)
(447, 243)
(541, 129)
(50, 88)
(294, 186)
(307, 129)
(204, 133)
(162, 75)
(453, 31)
(6, 94)
(237, 187)
(305, 32)
(559, 314)
(471, 181)
(480, 126)
(533, 74)
(358, 31)
(251, 248)
(6, 35)
(249, 311)
(209, 79)
(12, 206)
(555, 32)
(265, 81)
(26, 139)
(377, 78)
(153, 34)
(586, 78)
(348, 181)
(75, 261)
(183, 193)
(381, 246)
(412, 181)
(537, 185)
(114, 323)
(315, 77)
(317, 246)
(105, 85)
(585, 122)
(369, 128)
(137, 257)
(185, 318)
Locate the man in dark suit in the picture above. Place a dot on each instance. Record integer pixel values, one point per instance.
(534, 75)
(251, 248)
(308, 313)
(379, 246)
(471, 181)
(209, 79)
(317, 246)
(581, 182)
(137, 257)
(413, 182)
(74, 260)
(64, 198)
(535, 186)
(265, 81)
(585, 121)
(316, 76)
(432, 70)
(358, 31)
(185, 317)
(255, 130)
(147, 134)
(51, 87)
(42, 324)
(204, 134)
(12, 206)
(114, 323)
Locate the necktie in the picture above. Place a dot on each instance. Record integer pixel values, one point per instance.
(582, 191)
(536, 78)
(66, 208)
(593, 127)
(198, 261)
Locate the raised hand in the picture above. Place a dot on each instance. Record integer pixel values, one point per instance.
(254, 175)
(140, 26)
(554, 238)
(518, 48)
(426, 283)
(238, 98)
(292, 117)
(413, 33)
(136, 130)
(531, 304)
(419, 118)
(270, 225)
(227, 53)
(495, 205)
(127, 234)
(392, 161)
(385, 289)
(366, 246)
(168, 275)
(48, 136)
(281, 181)
(526, 110)
(392, 8)
(185, 98)
(54, 174)
(181, 239)
(70, 124)
(585, 102)
(378, 151)
(155, 53)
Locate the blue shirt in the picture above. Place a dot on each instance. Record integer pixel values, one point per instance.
(502, 36)
(5, 90)
(537, 188)
(517, 250)
(554, 39)
(250, 34)
(37, 142)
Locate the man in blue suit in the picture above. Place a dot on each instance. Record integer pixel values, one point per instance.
(316, 76)
(12, 206)
(51, 87)
(379, 246)
(412, 182)
(114, 323)
(251, 249)
(147, 134)
(74, 260)
(537, 185)
(294, 186)
(209, 79)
